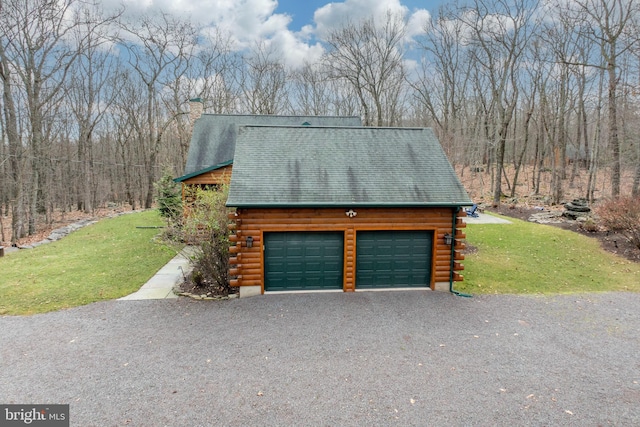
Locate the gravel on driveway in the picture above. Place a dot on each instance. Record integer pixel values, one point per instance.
(370, 358)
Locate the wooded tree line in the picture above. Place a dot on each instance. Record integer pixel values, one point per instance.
(95, 105)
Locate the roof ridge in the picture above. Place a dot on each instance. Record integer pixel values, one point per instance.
(277, 115)
(335, 127)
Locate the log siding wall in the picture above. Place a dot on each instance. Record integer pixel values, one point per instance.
(218, 176)
(247, 264)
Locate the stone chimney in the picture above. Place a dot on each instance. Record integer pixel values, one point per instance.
(196, 107)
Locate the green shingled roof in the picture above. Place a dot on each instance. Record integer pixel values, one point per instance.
(280, 166)
(214, 136)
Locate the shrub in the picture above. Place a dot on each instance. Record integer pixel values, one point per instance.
(169, 197)
(206, 226)
(622, 215)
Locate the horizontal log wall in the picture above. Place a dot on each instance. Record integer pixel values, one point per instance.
(247, 264)
(218, 176)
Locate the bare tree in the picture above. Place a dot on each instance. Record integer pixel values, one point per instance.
(159, 49)
(441, 85)
(610, 25)
(500, 32)
(15, 150)
(262, 79)
(89, 99)
(442, 80)
(529, 88)
(311, 90)
(560, 43)
(369, 55)
(39, 52)
(213, 72)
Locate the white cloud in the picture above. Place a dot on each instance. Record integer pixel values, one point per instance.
(247, 20)
(250, 21)
(295, 50)
(334, 15)
(417, 22)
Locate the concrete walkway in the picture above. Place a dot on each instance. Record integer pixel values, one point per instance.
(161, 285)
(485, 219)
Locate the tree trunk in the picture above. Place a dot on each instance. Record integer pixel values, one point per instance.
(15, 154)
(613, 130)
(150, 180)
(593, 162)
(497, 192)
(520, 158)
(635, 190)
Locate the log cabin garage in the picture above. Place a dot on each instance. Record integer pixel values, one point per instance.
(343, 209)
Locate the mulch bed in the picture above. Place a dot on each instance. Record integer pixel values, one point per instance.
(611, 242)
(204, 290)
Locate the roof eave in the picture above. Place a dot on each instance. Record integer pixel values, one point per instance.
(351, 205)
(201, 171)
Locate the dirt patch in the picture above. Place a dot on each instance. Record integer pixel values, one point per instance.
(470, 249)
(612, 242)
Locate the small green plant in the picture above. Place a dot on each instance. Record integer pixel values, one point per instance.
(169, 197)
(590, 226)
(198, 278)
(622, 215)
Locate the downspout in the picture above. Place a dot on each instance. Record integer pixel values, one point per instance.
(453, 253)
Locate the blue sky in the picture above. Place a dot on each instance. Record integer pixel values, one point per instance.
(301, 11)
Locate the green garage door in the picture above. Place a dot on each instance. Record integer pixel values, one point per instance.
(303, 260)
(393, 259)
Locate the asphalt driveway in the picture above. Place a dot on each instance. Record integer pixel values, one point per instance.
(378, 358)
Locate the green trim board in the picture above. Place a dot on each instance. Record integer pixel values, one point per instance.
(352, 205)
(205, 170)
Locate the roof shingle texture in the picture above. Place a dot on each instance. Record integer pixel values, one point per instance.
(214, 135)
(342, 166)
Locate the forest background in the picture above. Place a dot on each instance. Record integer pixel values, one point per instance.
(528, 98)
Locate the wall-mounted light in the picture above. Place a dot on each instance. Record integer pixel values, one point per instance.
(351, 213)
(448, 239)
(249, 241)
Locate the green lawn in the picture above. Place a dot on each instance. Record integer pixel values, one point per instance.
(106, 260)
(529, 258)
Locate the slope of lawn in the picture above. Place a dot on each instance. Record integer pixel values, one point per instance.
(106, 260)
(529, 258)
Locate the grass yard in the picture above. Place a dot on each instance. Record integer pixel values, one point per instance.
(103, 261)
(529, 258)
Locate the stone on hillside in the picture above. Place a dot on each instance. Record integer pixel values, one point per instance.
(546, 217)
(577, 208)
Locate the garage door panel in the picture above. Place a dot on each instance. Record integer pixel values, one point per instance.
(303, 260)
(388, 259)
